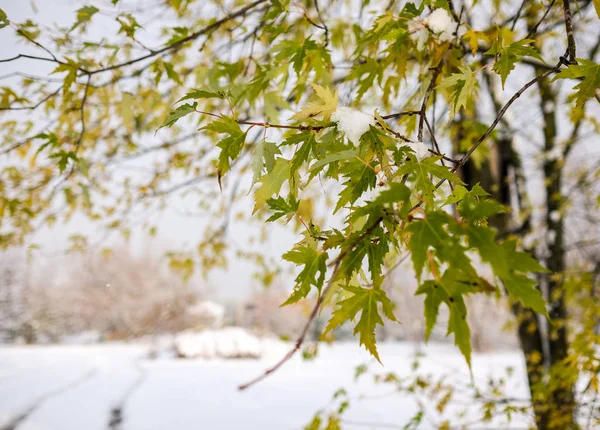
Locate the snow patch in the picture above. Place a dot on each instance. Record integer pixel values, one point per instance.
(420, 33)
(554, 216)
(555, 154)
(352, 123)
(419, 148)
(551, 235)
(441, 23)
(228, 342)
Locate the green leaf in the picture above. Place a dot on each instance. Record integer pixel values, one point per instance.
(63, 158)
(3, 19)
(178, 34)
(365, 301)
(171, 73)
(179, 113)
(282, 208)
(474, 206)
(84, 15)
(435, 295)
(230, 150)
(333, 157)
(71, 68)
(361, 178)
(597, 7)
(506, 263)
(590, 73)
(307, 144)
(313, 273)
(463, 87)
(420, 172)
(203, 94)
(271, 183)
(458, 325)
(263, 157)
(508, 56)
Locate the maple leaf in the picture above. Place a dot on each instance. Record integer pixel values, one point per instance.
(203, 94)
(281, 208)
(313, 274)
(307, 144)
(506, 263)
(365, 301)
(325, 109)
(232, 145)
(420, 170)
(263, 157)
(271, 182)
(463, 87)
(508, 56)
(473, 37)
(178, 113)
(590, 73)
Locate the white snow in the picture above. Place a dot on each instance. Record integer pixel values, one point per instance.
(555, 154)
(419, 148)
(352, 123)
(214, 313)
(551, 235)
(441, 23)
(555, 216)
(228, 342)
(530, 240)
(419, 33)
(202, 394)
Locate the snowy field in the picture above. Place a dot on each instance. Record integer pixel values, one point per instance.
(79, 387)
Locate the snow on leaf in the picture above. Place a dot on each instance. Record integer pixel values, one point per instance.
(441, 23)
(419, 148)
(325, 109)
(352, 122)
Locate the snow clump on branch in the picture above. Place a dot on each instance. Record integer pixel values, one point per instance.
(352, 123)
(439, 22)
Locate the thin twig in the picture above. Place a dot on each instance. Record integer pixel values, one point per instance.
(302, 337)
(572, 49)
(430, 89)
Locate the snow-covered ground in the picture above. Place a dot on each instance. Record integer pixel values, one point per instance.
(77, 387)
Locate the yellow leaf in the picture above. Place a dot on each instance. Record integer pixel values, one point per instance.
(325, 109)
(473, 37)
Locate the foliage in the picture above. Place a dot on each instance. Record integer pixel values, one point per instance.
(264, 98)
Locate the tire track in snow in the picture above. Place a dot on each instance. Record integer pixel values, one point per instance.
(116, 413)
(22, 416)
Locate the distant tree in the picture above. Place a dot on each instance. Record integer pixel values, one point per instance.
(440, 170)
